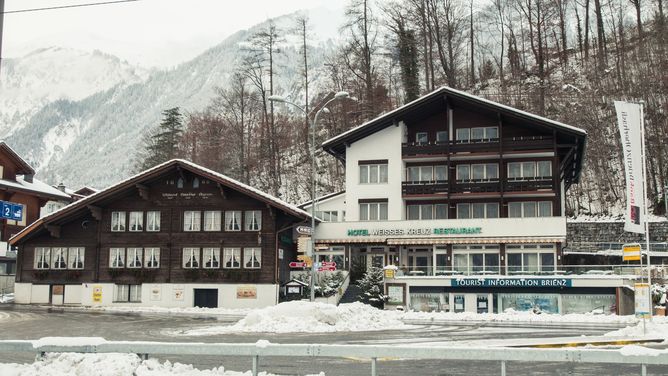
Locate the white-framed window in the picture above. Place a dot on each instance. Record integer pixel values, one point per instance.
(232, 258)
(421, 138)
(127, 293)
(211, 258)
(118, 221)
(136, 221)
(117, 257)
(472, 259)
(75, 258)
(42, 257)
(417, 174)
(463, 134)
(529, 170)
(478, 210)
(328, 215)
(191, 220)
(530, 258)
(441, 136)
(528, 209)
(373, 211)
(252, 258)
(212, 220)
(233, 220)
(134, 257)
(478, 172)
(58, 258)
(484, 133)
(190, 258)
(152, 258)
(373, 173)
(426, 211)
(253, 220)
(153, 221)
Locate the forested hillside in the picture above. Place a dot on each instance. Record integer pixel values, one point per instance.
(565, 59)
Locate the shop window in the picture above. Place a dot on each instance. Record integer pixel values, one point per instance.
(190, 258)
(127, 293)
(253, 220)
(430, 302)
(252, 258)
(153, 221)
(232, 258)
(134, 257)
(117, 257)
(191, 220)
(211, 258)
(232, 220)
(212, 220)
(152, 258)
(136, 221)
(548, 303)
(42, 257)
(118, 221)
(76, 258)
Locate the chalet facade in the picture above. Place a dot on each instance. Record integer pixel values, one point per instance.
(465, 198)
(176, 235)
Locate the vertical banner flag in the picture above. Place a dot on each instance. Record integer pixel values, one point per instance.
(628, 120)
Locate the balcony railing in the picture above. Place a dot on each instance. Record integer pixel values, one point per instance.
(559, 271)
(481, 145)
(524, 185)
(476, 186)
(424, 187)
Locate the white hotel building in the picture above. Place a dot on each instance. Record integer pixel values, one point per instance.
(466, 198)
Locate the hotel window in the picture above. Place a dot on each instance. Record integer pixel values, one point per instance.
(253, 220)
(477, 134)
(75, 258)
(328, 215)
(463, 211)
(232, 258)
(191, 220)
(421, 138)
(441, 137)
(212, 220)
(152, 258)
(373, 173)
(485, 210)
(134, 257)
(233, 220)
(463, 135)
(136, 221)
(427, 211)
(153, 221)
(190, 258)
(530, 258)
(118, 221)
(426, 173)
(373, 211)
(59, 258)
(441, 173)
(127, 293)
(478, 172)
(529, 170)
(117, 257)
(530, 209)
(463, 172)
(211, 258)
(252, 258)
(42, 257)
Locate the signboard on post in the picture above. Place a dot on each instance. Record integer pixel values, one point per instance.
(629, 122)
(631, 252)
(642, 301)
(304, 230)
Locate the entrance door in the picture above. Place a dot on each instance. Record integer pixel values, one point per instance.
(375, 261)
(459, 303)
(206, 298)
(57, 294)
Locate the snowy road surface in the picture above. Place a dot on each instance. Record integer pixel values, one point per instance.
(18, 322)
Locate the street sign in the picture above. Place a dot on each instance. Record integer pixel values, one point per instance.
(327, 269)
(642, 301)
(304, 230)
(304, 245)
(296, 264)
(631, 252)
(326, 264)
(17, 212)
(11, 210)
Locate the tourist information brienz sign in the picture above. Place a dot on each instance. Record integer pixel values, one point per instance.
(511, 282)
(416, 231)
(11, 210)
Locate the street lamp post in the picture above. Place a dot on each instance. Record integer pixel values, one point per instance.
(314, 199)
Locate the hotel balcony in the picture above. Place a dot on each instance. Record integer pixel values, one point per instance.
(477, 146)
(441, 187)
(409, 188)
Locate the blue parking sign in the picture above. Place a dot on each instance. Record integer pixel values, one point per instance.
(6, 210)
(17, 212)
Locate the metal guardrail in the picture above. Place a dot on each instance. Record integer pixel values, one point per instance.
(372, 352)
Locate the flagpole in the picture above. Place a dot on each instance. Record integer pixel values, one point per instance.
(645, 209)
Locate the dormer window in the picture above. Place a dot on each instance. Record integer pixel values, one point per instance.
(196, 183)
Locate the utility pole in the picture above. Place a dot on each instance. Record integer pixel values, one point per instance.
(2, 17)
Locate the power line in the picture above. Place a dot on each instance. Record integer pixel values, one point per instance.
(69, 6)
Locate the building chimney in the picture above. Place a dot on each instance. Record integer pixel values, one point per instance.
(28, 177)
(61, 187)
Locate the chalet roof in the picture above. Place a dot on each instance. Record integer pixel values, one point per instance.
(34, 187)
(23, 167)
(84, 203)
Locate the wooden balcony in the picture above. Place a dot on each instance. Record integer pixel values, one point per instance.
(424, 188)
(471, 186)
(539, 184)
(510, 144)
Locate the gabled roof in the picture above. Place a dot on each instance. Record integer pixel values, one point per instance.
(35, 187)
(436, 100)
(23, 167)
(322, 199)
(82, 204)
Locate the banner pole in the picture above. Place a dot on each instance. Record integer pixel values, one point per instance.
(646, 211)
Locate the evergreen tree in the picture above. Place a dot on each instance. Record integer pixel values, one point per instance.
(162, 143)
(372, 288)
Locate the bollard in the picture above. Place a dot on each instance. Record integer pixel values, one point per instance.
(256, 359)
(643, 370)
(503, 368)
(374, 371)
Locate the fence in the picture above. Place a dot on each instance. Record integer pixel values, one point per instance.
(371, 352)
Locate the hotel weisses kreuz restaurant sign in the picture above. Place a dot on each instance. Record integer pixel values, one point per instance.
(416, 231)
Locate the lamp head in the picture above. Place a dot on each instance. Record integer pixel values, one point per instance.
(276, 98)
(341, 95)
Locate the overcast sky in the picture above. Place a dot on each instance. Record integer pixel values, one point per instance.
(147, 32)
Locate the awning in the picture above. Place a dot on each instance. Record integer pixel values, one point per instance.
(351, 241)
(430, 241)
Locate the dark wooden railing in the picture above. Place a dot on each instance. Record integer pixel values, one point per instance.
(424, 187)
(479, 146)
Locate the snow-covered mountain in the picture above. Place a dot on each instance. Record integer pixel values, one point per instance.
(45, 75)
(88, 125)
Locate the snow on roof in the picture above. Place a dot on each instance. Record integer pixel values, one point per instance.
(36, 186)
(322, 199)
(88, 199)
(464, 94)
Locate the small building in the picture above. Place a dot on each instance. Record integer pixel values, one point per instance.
(176, 235)
(466, 197)
(54, 205)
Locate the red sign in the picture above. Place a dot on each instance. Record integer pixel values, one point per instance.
(295, 264)
(327, 264)
(327, 269)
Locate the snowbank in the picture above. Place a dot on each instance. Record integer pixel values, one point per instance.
(7, 298)
(67, 364)
(306, 317)
(657, 328)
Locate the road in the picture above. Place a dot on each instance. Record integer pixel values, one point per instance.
(20, 322)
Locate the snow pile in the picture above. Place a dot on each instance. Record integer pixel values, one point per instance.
(7, 298)
(68, 341)
(657, 328)
(67, 364)
(306, 317)
(635, 350)
(511, 315)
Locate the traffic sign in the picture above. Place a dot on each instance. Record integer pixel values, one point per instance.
(631, 252)
(296, 264)
(304, 230)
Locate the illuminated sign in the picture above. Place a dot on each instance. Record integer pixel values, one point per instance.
(511, 282)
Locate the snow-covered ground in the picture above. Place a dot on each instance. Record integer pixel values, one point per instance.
(657, 328)
(68, 364)
(7, 298)
(167, 310)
